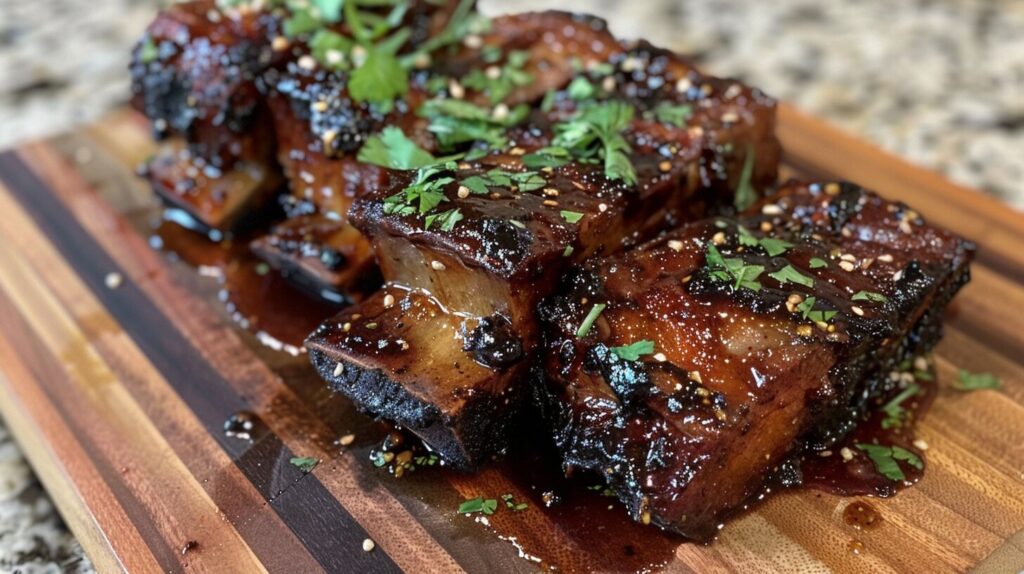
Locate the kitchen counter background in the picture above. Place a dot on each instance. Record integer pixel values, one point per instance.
(940, 82)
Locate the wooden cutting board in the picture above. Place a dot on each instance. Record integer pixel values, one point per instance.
(119, 397)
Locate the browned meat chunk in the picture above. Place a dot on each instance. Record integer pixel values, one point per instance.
(505, 226)
(688, 370)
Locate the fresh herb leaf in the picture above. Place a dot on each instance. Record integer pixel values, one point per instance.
(791, 275)
(571, 216)
(300, 22)
(456, 122)
(806, 307)
(818, 263)
(568, 251)
(588, 322)
(894, 412)
(478, 504)
(380, 79)
(774, 247)
(885, 459)
(732, 270)
(425, 192)
(330, 49)
(968, 381)
(595, 133)
(633, 351)
(446, 219)
(304, 463)
(511, 504)
(745, 195)
(509, 77)
(580, 89)
(392, 149)
(671, 114)
(148, 51)
(547, 157)
(330, 10)
(869, 296)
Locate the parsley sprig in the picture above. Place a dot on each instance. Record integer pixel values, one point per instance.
(885, 459)
(634, 351)
(457, 122)
(968, 381)
(806, 308)
(895, 413)
(509, 77)
(425, 192)
(478, 505)
(732, 270)
(594, 134)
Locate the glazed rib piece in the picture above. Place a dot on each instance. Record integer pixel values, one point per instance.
(722, 349)
(491, 254)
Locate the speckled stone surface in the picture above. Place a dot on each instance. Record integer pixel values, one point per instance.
(940, 82)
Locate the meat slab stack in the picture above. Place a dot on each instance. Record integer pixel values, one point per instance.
(565, 223)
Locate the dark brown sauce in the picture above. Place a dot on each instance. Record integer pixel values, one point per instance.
(600, 533)
(861, 515)
(259, 299)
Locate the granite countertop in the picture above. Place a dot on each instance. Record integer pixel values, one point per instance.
(940, 82)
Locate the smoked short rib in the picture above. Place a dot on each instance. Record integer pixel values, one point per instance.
(487, 273)
(722, 349)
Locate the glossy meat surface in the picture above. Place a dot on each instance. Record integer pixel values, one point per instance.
(704, 375)
(513, 240)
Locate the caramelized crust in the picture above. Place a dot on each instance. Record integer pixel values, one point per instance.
(739, 379)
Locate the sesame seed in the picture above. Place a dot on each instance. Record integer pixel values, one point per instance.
(897, 275)
(307, 62)
(631, 63)
(437, 266)
(492, 72)
(730, 117)
(733, 91)
(368, 545)
(517, 151)
(550, 191)
(346, 327)
(328, 137)
(846, 453)
(718, 238)
(456, 90)
(389, 300)
(695, 131)
(905, 227)
(847, 266)
(825, 453)
(500, 112)
(886, 258)
(832, 189)
(602, 207)
(848, 257)
(473, 41)
(320, 106)
(921, 444)
(771, 209)
(695, 377)
(113, 280)
(675, 245)
(334, 57)
(804, 330)
(339, 369)
(660, 357)
(347, 440)
(550, 203)
(921, 364)
(463, 192)
(608, 84)
(857, 311)
(665, 166)
(683, 85)
(280, 44)
(766, 226)
(422, 61)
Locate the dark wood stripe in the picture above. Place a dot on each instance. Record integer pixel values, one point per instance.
(48, 372)
(331, 535)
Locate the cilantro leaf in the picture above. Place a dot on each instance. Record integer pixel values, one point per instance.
(732, 270)
(300, 22)
(380, 79)
(547, 157)
(595, 132)
(869, 296)
(330, 10)
(633, 351)
(774, 247)
(790, 274)
(447, 219)
(818, 263)
(456, 122)
(745, 195)
(806, 307)
(571, 216)
(392, 149)
(968, 381)
(330, 49)
(480, 505)
(671, 114)
(148, 51)
(304, 463)
(894, 411)
(885, 459)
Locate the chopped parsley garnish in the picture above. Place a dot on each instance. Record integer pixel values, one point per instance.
(633, 351)
(522, 180)
(510, 503)
(568, 251)
(509, 77)
(304, 463)
(595, 133)
(456, 122)
(806, 307)
(869, 296)
(968, 381)
(789, 274)
(771, 245)
(148, 51)
(733, 270)
(426, 460)
(331, 49)
(547, 157)
(392, 149)
(380, 79)
(446, 220)
(478, 504)
(424, 194)
(581, 89)
(895, 414)
(601, 489)
(885, 459)
(571, 216)
(671, 114)
(588, 322)
(745, 195)
(818, 263)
